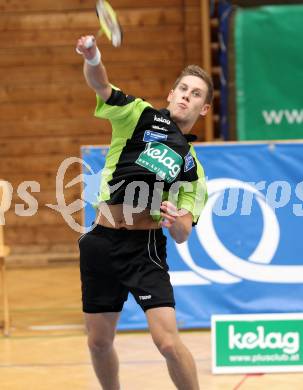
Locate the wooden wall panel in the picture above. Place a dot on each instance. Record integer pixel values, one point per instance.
(46, 109)
(62, 146)
(59, 93)
(47, 197)
(70, 74)
(86, 20)
(65, 5)
(40, 234)
(165, 34)
(62, 55)
(47, 182)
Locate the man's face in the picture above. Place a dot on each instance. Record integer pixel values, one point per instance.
(187, 102)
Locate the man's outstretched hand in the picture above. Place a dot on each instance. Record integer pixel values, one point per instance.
(86, 45)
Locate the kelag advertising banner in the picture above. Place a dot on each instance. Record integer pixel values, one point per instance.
(256, 343)
(268, 67)
(245, 256)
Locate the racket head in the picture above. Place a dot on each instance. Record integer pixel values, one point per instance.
(109, 23)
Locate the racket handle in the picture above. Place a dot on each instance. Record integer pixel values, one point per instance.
(89, 42)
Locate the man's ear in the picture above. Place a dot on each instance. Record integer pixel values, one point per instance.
(205, 109)
(169, 97)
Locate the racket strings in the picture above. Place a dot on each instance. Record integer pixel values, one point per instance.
(109, 24)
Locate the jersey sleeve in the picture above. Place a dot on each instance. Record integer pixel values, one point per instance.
(193, 195)
(123, 111)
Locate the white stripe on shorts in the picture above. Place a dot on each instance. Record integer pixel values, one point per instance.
(159, 265)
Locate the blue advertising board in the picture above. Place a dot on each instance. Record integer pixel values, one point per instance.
(245, 256)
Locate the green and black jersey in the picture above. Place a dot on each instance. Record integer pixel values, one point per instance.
(148, 152)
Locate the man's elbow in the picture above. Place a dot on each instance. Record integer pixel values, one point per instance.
(104, 91)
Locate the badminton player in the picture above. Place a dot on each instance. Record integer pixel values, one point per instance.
(149, 156)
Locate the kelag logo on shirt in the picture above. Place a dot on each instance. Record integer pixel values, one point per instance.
(161, 160)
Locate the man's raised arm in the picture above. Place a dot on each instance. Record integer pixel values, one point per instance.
(94, 70)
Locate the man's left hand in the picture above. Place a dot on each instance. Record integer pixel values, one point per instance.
(169, 213)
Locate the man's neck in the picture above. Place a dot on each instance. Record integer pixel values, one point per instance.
(184, 127)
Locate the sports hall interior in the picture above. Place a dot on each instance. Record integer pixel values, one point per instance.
(46, 116)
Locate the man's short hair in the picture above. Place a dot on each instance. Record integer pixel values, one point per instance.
(195, 70)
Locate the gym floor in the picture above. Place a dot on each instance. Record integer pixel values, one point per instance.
(47, 347)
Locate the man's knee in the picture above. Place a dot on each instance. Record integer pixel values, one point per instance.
(98, 344)
(101, 331)
(169, 346)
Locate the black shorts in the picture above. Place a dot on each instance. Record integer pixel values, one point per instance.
(116, 261)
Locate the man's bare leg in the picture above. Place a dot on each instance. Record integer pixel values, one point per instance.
(180, 363)
(101, 328)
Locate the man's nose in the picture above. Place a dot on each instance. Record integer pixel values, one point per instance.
(186, 95)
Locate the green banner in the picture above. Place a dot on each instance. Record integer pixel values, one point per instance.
(268, 72)
(257, 343)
